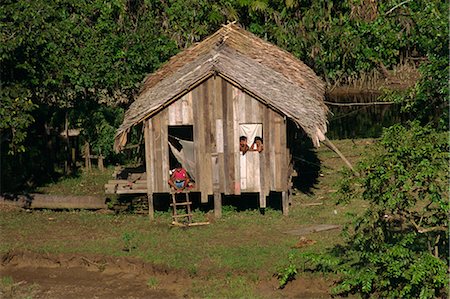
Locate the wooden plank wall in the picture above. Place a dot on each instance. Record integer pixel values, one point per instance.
(216, 108)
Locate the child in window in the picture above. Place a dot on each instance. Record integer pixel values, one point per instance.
(243, 146)
(257, 144)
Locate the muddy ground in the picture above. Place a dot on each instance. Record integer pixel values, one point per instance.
(94, 276)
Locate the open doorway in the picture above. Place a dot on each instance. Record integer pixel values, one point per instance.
(181, 148)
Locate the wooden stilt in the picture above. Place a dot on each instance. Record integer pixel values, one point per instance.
(217, 205)
(148, 167)
(151, 209)
(285, 203)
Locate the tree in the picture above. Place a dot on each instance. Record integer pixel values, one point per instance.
(398, 248)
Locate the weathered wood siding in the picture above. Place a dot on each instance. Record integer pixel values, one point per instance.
(216, 108)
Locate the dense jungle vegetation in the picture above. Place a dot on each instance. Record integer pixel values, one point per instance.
(78, 64)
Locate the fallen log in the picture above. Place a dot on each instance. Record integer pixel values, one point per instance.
(46, 201)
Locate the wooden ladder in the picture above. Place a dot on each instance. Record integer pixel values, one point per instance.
(186, 203)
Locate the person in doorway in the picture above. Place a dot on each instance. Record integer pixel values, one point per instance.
(243, 146)
(257, 144)
(179, 180)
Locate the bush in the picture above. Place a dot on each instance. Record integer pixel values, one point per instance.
(398, 246)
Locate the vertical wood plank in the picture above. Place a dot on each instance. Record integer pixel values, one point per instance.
(198, 140)
(190, 112)
(171, 114)
(206, 154)
(241, 106)
(279, 161)
(156, 122)
(284, 155)
(185, 110)
(149, 166)
(265, 163)
(179, 114)
(212, 117)
(228, 138)
(165, 150)
(285, 203)
(217, 205)
(235, 142)
(271, 146)
(220, 138)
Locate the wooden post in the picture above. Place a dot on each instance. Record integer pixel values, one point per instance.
(217, 205)
(87, 157)
(285, 202)
(100, 163)
(67, 162)
(148, 166)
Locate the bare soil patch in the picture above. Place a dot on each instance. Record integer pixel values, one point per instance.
(96, 276)
(90, 276)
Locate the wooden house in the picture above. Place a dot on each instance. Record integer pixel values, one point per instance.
(212, 92)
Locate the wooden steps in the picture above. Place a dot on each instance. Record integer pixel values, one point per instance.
(181, 203)
(186, 203)
(126, 187)
(186, 218)
(182, 215)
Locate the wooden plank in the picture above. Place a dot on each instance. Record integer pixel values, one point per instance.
(179, 113)
(190, 114)
(185, 110)
(279, 150)
(171, 114)
(265, 157)
(212, 117)
(149, 166)
(271, 147)
(206, 151)
(131, 191)
(215, 172)
(285, 203)
(218, 111)
(235, 143)
(241, 105)
(284, 158)
(217, 205)
(219, 136)
(197, 134)
(228, 138)
(165, 167)
(257, 112)
(46, 201)
(248, 111)
(156, 122)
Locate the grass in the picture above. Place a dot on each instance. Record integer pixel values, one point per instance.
(152, 283)
(82, 183)
(225, 259)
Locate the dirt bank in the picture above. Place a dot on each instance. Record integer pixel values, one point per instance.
(96, 276)
(89, 276)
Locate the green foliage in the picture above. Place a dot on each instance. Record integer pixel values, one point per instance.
(130, 241)
(287, 273)
(398, 247)
(15, 118)
(428, 100)
(88, 57)
(153, 283)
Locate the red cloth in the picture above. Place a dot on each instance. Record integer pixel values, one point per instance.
(179, 174)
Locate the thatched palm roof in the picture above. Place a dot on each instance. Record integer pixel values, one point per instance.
(270, 74)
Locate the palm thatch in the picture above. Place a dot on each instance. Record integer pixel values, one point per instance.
(270, 74)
